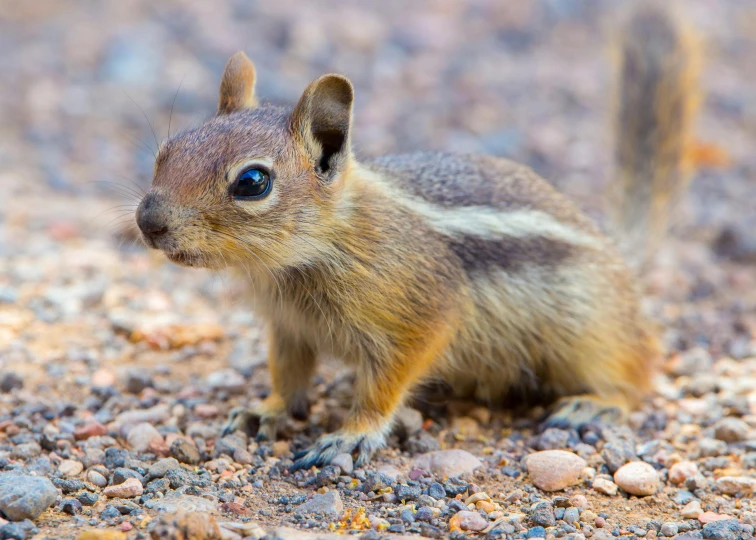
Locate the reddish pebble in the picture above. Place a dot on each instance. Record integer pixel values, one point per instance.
(90, 430)
(708, 517)
(235, 508)
(205, 410)
(126, 526)
(416, 473)
(600, 522)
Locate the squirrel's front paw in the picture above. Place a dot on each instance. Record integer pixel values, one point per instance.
(361, 445)
(253, 422)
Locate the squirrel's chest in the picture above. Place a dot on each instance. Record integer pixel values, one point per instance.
(306, 312)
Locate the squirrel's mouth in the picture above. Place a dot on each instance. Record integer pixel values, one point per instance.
(186, 259)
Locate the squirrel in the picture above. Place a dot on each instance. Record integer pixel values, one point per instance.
(416, 269)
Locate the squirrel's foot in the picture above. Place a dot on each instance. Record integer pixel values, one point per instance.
(361, 445)
(253, 422)
(577, 411)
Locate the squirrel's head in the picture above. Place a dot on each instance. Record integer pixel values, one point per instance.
(254, 185)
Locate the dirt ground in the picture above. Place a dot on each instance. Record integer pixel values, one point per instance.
(93, 326)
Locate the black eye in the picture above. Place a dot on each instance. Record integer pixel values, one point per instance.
(252, 184)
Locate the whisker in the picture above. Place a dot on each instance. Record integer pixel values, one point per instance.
(148, 122)
(170, 116)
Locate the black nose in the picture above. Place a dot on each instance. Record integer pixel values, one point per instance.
(150, 218)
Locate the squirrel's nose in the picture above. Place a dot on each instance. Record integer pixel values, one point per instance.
(150, 219)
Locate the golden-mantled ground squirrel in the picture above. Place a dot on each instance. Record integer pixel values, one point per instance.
(419, 268)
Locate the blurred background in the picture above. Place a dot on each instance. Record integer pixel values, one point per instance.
(88, 87)
(94, 328)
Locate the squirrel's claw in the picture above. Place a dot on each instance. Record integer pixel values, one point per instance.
(251, 422)
(361, 446)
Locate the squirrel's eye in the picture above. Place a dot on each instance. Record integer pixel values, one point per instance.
(252, 184)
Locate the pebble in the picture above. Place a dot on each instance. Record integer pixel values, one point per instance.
(554, 470)
(18, 531)
(571, 515)
(447, 462)
(436, 490)
(736, 485)
(728, 529)
(161, 467)
(142, 436)
(602, 485)
(70, 468)
(175, 502)
(553, 439)
(70, 506)
(10, 381)
(92, 429)
(228, 380)
(543, 515)
(25, 497)
(692, 510)
(328, 503)
(344, 462)
(680, 472)
(96, 478)
(131, 487)
(731, 430)
(184, 451)
(668, 529)
(637, 478)
(26, 450)
(467, 521)
(709, 517)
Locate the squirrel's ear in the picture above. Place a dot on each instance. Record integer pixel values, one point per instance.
(322, 120)
(237, 88)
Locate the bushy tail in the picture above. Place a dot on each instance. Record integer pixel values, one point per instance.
(657, 102)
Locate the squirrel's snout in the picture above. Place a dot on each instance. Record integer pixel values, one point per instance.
(151, 219)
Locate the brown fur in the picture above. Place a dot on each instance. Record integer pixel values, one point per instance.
(468, 270)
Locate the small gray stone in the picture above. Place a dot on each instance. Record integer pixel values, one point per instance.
(436, 490)
(229, 444)
(328, 503)
(727, 529)
(96, 478)
(407, 493)
(25, 497)
(448, 462)
(553, 439)
(27, 450)
(668, 529)
(344, 462)
(159, 468)
(712, 447)
(185, 451)
(731, 430)
(571, 515)
(136, 381)
(10, 381)
(18, 531)
(542, 514)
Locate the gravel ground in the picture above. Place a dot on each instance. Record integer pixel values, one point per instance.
(117, 368)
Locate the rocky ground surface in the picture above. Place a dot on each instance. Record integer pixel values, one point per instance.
(117, 369)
